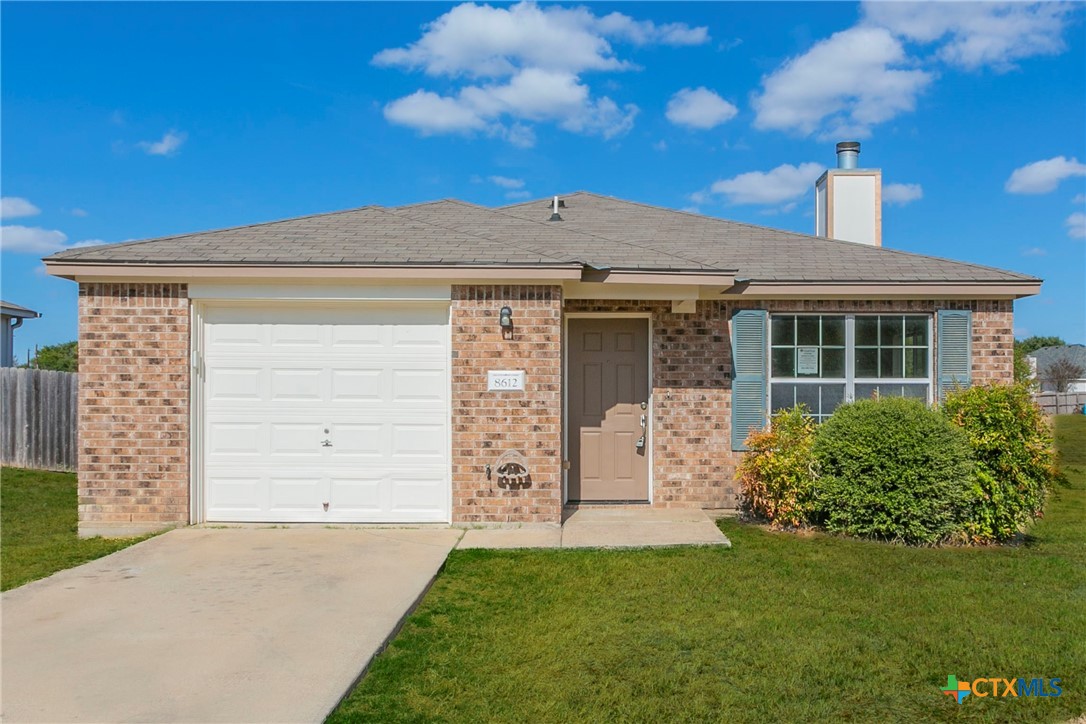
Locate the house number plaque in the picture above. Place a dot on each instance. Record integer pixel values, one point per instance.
(505, 381)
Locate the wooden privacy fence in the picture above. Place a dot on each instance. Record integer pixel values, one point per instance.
(1060, 403)
(38, 418)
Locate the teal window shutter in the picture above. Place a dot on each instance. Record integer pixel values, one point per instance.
(954, 338)
(750, 329)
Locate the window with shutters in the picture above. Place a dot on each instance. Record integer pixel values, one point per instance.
(823, 360)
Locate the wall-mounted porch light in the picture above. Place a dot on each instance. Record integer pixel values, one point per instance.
(505, 321)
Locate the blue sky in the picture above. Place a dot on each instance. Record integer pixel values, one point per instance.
(125, 121)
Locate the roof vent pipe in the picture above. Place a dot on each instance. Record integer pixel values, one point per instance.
(554, 212)
(848, 154)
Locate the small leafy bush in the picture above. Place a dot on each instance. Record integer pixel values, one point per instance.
(776, 477)
(892, 469)
(1015, 458)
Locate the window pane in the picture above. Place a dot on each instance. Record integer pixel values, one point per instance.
(867, 331)
(866, 392)
(833, 331)
(833, 363)
(782, 396)
(807, 330)
(892, 363)
(891, 328)
(784, 362)
(832, 396)
(916, 331)
(808, 395)
(867, 362)
(784, 330)
(917, 391)
(916, 363)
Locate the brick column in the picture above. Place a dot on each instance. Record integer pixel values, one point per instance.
(485, 424)
(133, 408)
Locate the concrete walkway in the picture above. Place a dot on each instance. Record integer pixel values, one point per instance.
(607, 527)
(213, 625)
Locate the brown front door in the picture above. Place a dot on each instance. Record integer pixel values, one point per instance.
(608, 400)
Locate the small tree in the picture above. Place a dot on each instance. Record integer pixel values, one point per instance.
(1061, 372)
(62, 357)
(1032, 344)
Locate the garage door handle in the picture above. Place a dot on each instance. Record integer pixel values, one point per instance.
(326, 443)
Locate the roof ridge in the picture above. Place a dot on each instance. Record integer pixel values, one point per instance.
(135, 242)
(912, 254)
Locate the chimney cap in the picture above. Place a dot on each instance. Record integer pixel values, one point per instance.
(848, 146)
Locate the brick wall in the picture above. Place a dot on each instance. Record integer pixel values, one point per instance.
(133, 407)
(485, 424)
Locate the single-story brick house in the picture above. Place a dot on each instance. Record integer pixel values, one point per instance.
(454, 363)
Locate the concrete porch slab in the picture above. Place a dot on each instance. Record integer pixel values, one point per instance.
(607, 527)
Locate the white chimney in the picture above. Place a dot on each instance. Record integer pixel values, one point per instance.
(848, 200)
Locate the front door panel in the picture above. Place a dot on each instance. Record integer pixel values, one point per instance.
(608, 399)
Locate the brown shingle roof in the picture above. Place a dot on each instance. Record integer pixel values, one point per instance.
(596, 230)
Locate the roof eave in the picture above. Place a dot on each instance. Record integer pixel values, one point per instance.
(917, 289)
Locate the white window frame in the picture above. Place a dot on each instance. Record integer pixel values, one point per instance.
(850, 380)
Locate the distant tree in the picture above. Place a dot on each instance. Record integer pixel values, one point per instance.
(62, 357)
(1030, 345)
(1061, 372)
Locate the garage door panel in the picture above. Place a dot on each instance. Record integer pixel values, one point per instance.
(298, 492)
(418, 442)
(236, 494)
(415, 493)
(292, 384)
(235, 383)
(376, 378)
(360, 440)
(359, 385)
(244, 439)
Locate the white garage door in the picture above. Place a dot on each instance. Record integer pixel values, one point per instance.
(326, 413)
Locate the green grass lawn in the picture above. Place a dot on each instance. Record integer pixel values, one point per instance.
(38, 513)
(780, 627)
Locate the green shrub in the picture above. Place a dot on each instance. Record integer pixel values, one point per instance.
(892, 469)
(1015, 458)
(776, 476)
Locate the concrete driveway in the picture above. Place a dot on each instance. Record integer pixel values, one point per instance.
(212, 625)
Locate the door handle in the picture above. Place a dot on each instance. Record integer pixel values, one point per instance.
(642, 422)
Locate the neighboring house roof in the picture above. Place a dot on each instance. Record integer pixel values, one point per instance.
(596, 233)
(8, 309)
(1047, 355)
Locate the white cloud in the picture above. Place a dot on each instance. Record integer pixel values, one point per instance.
(1079, 199)
(699, 108)
(480, 41)
(660, 145)
(526, 61)
(1076, 225)
(507, 183)
(977, 34)
(12, 207)
(530, 95)
(166, 146)
(78, 212)
(783, 184)
(88, 242)
(31, 239)
(842, 86)
(518, 194)
(902, 194)
(1041, 177)
(1034, 251)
